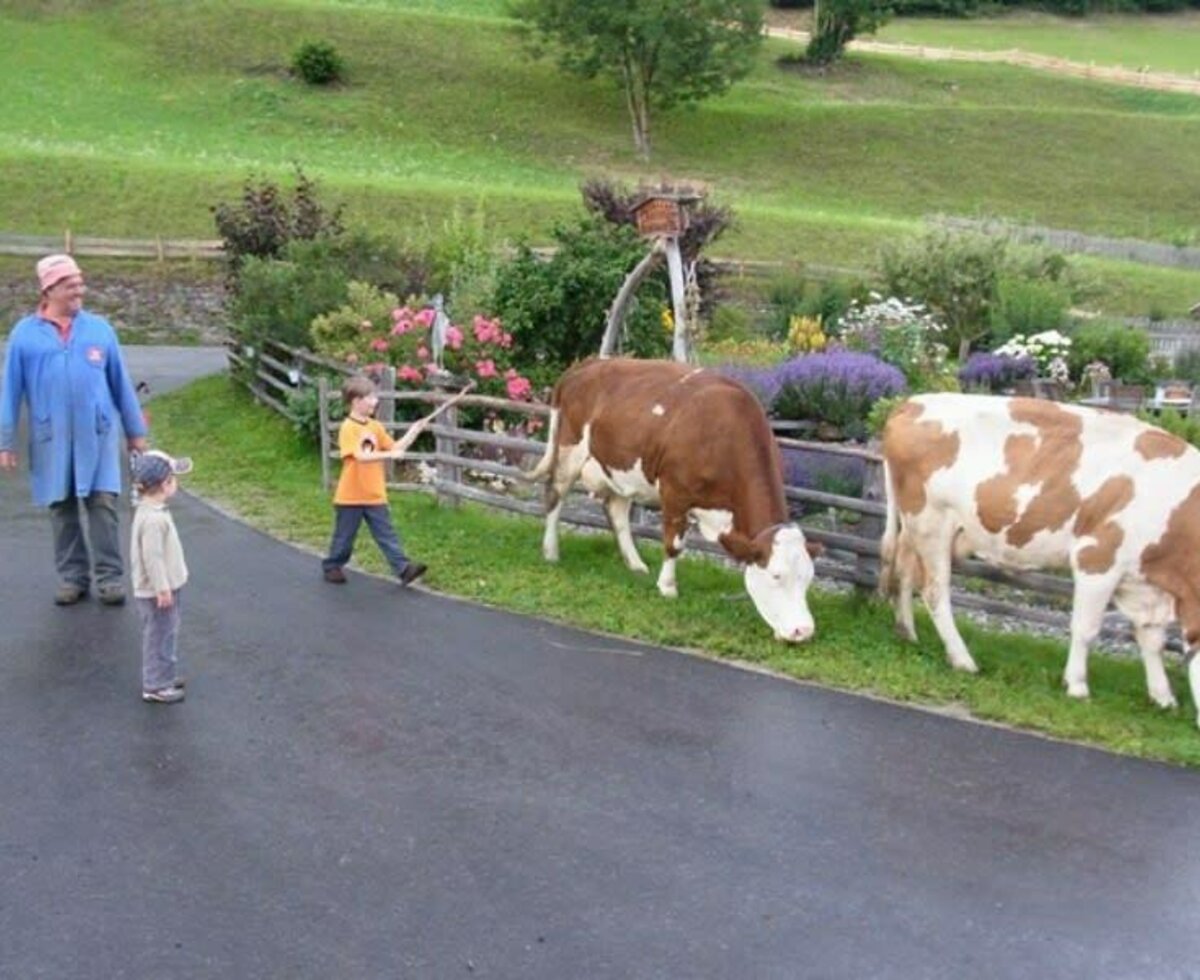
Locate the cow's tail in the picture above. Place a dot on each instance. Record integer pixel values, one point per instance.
(541, 472)
(889, 543)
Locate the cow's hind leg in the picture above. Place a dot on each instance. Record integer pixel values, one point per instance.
(569, 466)
(904, 573)
(934, 552)
(618, 509)
(1087, 616)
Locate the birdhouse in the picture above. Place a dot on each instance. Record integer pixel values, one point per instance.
(660, 216)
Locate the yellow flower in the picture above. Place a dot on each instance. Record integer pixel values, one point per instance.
(668, 320)
(805, 334)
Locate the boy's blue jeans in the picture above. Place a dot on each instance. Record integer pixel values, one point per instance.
(347, 518)
(160, 642)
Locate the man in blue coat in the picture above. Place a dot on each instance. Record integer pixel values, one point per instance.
(65, 364)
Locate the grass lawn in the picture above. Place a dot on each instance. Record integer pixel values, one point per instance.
(181, 101)
(250, 462)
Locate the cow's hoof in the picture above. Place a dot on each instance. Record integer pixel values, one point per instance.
(966, 666)
(639, 569)
(669, 591)
(550, 556)
(1166, 703)
(906, 633)
(1077, 690)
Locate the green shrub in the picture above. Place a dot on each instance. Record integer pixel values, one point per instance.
(556, 308)
(318, 63)
(277, 299)
(1187, 365)
(1126, 350)
(826, 299)
(729, 323)
(1028, 306)
(338, 332)
(305, 408)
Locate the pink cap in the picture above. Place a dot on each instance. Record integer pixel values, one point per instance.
(54, 269)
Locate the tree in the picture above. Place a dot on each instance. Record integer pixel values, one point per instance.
(661, 52)
(837, 22)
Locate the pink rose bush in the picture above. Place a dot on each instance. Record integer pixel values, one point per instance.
(375, 329)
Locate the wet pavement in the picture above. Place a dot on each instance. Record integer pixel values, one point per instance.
(366, 783)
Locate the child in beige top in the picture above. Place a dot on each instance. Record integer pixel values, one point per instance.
(159, 573)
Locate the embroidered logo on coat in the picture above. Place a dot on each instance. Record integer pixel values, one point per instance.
(94, 355)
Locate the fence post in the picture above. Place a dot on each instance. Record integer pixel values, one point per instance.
(871, 526)
(323, 417)
(447, 445)
(385, 412)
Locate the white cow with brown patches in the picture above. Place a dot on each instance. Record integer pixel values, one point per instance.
(698, 445)
(1029, 484)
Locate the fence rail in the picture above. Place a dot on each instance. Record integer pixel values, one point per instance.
(131, 248)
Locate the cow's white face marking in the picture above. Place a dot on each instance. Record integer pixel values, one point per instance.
(780, 590)
(658, 410)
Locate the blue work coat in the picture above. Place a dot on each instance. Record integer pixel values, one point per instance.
(79, 396)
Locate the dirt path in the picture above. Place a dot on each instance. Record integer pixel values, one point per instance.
(1160, 81)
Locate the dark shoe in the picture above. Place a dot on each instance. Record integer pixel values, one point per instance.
(335, 575)
(69, 593)
(412, 571)
(164, 695)
(112, 594)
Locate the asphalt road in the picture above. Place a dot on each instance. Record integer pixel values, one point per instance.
(371, 783)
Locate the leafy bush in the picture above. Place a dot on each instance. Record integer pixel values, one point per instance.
(373, 329)
(264, 221)
(1187, 365)
(277, 299)
(995, 372)
(318, 63)
(837, 387)
(1027, 306)
(556, 308)
(1126, 350)
(305, 408)
(826, 300)
(728, 323)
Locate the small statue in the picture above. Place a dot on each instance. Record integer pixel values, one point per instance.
(437, 332)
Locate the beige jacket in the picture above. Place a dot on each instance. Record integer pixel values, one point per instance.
(156, 555)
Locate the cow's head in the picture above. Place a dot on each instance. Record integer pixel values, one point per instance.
(777, 578)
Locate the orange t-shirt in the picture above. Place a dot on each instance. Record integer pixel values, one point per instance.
(362, 483)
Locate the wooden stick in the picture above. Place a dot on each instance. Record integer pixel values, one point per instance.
(419, 425)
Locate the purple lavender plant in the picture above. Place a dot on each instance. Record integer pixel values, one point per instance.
(995, 372)
(838, 387)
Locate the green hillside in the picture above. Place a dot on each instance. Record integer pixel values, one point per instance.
(170, 105)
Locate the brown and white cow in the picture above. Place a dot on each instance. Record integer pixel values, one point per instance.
(1026, 483)
(697, 444)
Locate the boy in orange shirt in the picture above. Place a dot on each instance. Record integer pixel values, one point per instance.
(365, 445)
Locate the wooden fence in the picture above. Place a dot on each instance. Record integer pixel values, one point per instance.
(484, 465)
(124, 248)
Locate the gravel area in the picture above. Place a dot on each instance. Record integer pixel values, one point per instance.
(161, 305)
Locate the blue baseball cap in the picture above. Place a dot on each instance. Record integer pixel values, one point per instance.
(152, 468)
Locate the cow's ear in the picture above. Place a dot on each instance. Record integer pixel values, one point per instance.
(744, 549)
(815, 548)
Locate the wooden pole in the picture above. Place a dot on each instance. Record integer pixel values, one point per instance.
(679, 345)
(323, 416)
(386, 411)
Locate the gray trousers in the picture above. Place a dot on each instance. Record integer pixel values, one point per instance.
(71, 544)
(160, 642)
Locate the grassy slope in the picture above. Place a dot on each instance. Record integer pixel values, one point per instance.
(440, 111)
(248, 461)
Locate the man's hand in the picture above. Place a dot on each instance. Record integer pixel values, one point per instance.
(8, 460)
(137, 444)
(165, 600)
